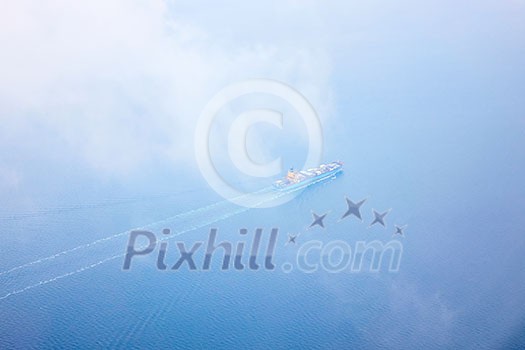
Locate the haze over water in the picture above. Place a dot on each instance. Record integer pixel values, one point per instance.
(422, 101)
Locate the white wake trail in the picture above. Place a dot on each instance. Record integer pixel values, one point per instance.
(105, 239)
(201, 224)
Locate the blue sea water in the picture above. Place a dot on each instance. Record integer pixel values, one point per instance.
(423, 101)
(460, 283)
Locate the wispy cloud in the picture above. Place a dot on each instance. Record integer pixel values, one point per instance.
(120, 83)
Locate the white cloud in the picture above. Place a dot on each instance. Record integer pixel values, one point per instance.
(122, 82)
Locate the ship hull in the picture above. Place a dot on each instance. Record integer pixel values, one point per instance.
(310, 180)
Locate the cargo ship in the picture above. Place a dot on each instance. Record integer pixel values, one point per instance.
(297, 179)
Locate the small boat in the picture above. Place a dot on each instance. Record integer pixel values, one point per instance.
(296, 179)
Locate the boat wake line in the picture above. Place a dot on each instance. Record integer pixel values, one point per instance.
(194, 219)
